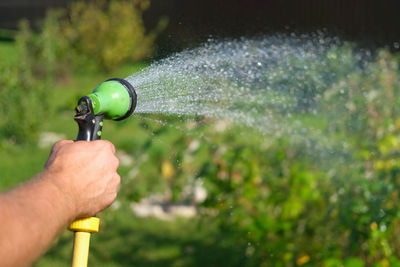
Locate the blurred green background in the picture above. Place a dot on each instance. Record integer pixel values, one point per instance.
(267, 202)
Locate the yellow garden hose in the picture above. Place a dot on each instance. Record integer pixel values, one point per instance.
(83, 228)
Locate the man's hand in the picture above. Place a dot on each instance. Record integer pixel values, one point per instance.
(79, 179)
(85, 173)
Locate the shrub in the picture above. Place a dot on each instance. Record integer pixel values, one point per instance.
(108, 33)
(25, 86)
(289, 204)
(293, 208)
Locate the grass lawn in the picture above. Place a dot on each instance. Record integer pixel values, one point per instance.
(8, 53)
(125, 240)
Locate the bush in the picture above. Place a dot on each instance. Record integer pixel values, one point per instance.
(294, 208)
(25, 86)
(108, 33)
(289, 204)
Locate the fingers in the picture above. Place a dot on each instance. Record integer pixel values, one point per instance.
(111, 146)
(98, 144)
(111, 194)
(105, 144)
(61, 143)
(114, 185)
(54, 150)
(112, 160)
(116, 180)
(101, 146)
(97, 160)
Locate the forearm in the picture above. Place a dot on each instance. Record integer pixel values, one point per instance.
(30, 218)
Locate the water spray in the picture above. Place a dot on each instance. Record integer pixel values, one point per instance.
(114, 99)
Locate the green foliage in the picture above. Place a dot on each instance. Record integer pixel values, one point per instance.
(273, 202)
(25, 86)
(302, 210)
(96, 34)
(107, 33)
(285, 203)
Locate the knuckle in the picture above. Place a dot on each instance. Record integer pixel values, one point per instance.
(59, 144)
(112, 162)
(115, 162)
(117, 179)
(108, 145)
(104, 146)
(111, 198)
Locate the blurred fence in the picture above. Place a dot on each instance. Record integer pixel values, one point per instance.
(195, 19)
(11, 11)
(374, 20)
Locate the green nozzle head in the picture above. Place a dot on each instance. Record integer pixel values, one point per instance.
(115, 98)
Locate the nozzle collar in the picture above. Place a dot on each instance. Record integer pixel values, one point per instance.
(132, 95)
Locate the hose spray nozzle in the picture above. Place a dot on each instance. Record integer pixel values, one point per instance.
(113, 99)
